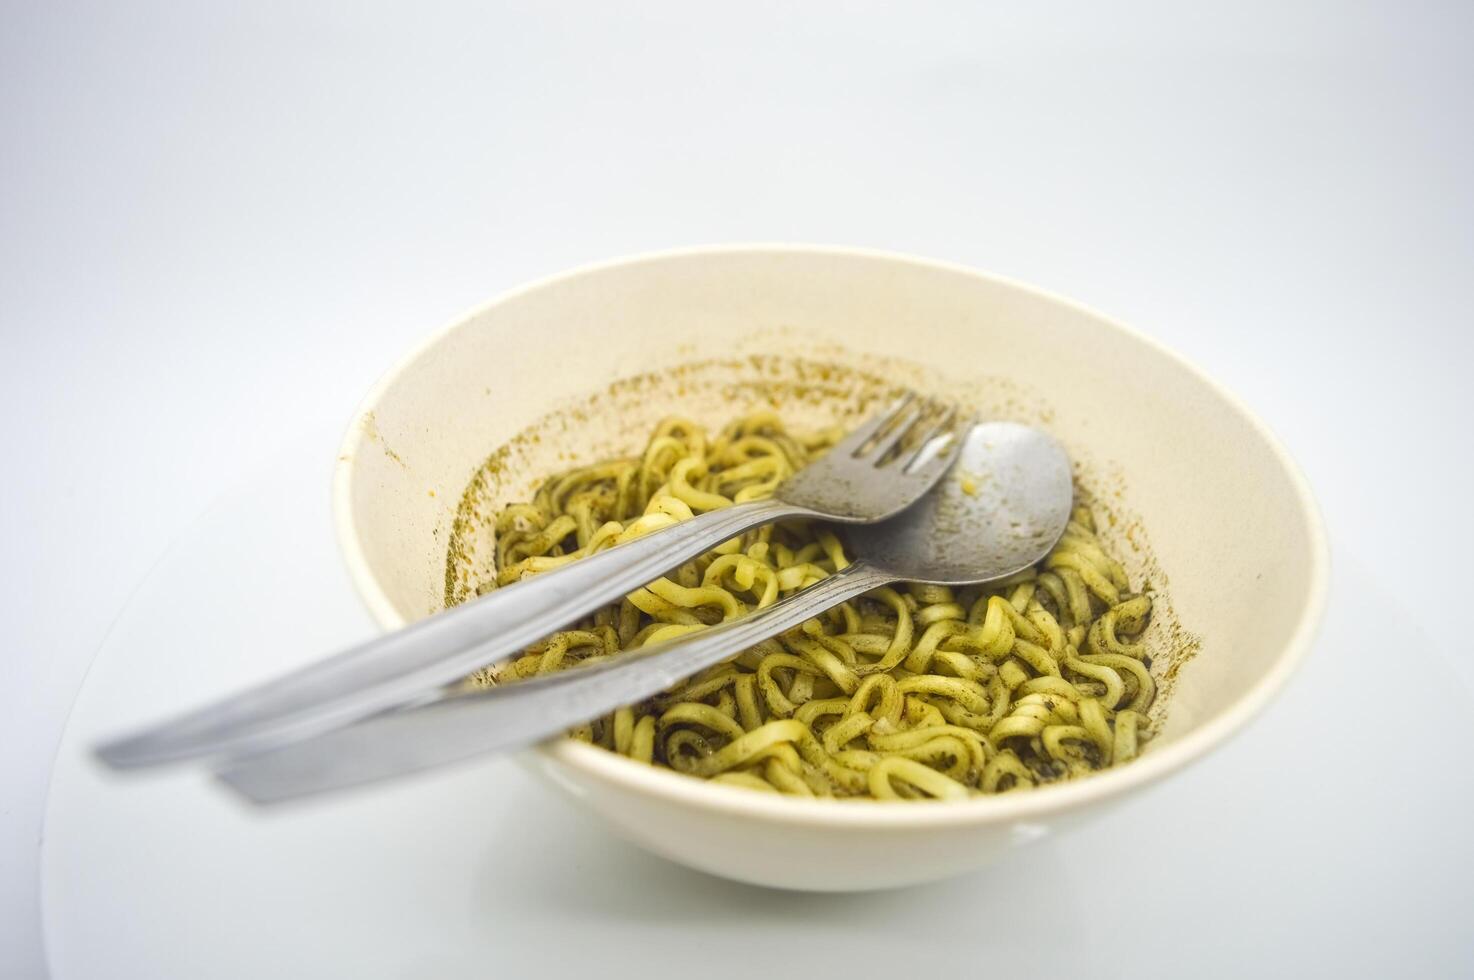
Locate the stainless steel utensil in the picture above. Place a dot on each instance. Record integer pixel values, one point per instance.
(1004, 507)
(860, 480)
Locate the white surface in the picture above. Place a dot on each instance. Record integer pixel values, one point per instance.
(228, 220)
(482, 871)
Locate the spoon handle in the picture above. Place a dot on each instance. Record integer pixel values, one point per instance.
(516, 715)
(398, 668)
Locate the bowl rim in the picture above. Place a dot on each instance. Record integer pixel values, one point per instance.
(681, 790)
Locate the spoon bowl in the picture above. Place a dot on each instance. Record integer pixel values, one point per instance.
(1001, 507)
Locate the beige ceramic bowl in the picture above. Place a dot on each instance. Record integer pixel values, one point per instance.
(1205, 503)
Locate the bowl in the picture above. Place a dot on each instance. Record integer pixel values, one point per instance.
(1200, 500)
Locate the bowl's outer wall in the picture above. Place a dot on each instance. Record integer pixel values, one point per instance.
(1225, 515)
(801, 857)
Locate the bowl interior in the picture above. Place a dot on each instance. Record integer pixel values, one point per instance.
(1198, 499)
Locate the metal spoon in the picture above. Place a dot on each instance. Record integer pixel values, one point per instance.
(860, 480)
(1001, 508)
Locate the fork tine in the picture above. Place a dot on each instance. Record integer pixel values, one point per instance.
(932, 454)
(942, 427)
(880, 451)
(855, 441)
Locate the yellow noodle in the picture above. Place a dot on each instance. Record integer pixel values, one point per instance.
(745, 779)
(912, 692)
(926, 780)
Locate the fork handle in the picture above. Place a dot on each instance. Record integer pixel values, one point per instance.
(404, 665)
(516, 715)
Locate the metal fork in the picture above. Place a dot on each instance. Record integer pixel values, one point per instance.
(877, 471)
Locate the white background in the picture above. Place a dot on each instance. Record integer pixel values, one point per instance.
(219, 222)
